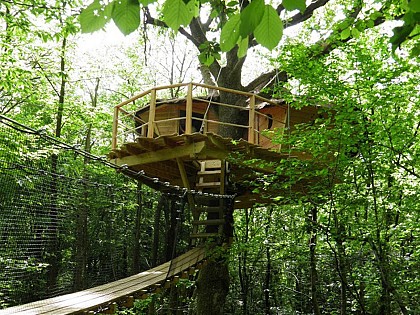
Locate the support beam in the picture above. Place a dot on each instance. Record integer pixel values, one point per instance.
(185, 182)
(188, 111)
(115, 129)
(251, 130)
(152, 114)
(161, 155)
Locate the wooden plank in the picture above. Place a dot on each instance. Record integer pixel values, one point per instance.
(188, 111)
(114, 129)
(208, 185)
(108, 293)
(187, 260)
(161, 155)
(251, 121)
(223, 170)
(94, 297)
(214, 172)
(185, 182)
(212, 164)
(152, 112)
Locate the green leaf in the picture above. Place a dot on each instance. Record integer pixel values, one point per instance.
(95, 16)
(206, 59)
(145, 3)
(355, 33)
(400, 35)
(414, 5)
(194, 8)
(229, 35)
(126, 15)
(415, 51)
(251, 17)
(270, 30)
(295, 5)
(176, 13)
(345, 34)
(243, 47)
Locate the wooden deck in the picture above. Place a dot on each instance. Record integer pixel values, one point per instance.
(169, 138)
(104, 295)
(160, 157)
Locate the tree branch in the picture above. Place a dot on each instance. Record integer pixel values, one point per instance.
(156, 22)
(267, 79)
(300, 17)
(317, 50)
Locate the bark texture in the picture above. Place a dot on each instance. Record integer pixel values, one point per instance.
(212, 287)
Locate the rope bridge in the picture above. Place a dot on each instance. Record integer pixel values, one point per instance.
(125, 289)
(70, 222)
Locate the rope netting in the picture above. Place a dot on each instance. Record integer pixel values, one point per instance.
(67, 220)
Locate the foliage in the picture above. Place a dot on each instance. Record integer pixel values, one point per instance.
(240, 22)
(362, 181)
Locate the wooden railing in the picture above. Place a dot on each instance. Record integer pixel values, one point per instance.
(127, 125)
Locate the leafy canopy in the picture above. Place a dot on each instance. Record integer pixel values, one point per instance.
(241, 21)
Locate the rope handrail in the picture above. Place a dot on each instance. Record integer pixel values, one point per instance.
(140, 175)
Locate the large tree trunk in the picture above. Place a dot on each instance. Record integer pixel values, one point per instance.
(213, 279)
(213, 287)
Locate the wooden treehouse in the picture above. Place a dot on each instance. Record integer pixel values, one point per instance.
(177, 140)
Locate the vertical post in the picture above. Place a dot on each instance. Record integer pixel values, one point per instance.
(115, 128)
(188, 111)
(251, 127)
(152, 112)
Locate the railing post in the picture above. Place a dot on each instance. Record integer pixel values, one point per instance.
(152, 112)
(251, 122)
(115, 128)
(188, 111)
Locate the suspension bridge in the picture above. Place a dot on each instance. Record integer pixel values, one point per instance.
(173, 146)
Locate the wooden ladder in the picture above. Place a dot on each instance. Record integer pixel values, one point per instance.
(208, 214)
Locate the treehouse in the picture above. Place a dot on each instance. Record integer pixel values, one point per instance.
(178, 140)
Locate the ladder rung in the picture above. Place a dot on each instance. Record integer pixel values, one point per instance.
(212, 164)
(214, 172)
(204, 235)
(209, 222)
(208, 209)
(205, 185)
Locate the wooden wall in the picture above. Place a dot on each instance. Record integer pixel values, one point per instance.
(278, 122)
(177, 110)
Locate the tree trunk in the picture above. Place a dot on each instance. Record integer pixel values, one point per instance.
(156, 231)
(268, 266)
(313, 270)
(137, 229)
(171, 232)
(213, 287)
(54, 256)
(242, 266)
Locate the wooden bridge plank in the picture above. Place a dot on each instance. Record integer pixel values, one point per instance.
(187, 260)
(87, 299)
(94, 297)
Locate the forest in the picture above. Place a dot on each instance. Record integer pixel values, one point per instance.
(346, 241)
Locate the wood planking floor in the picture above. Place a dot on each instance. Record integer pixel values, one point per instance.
(88, 299)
